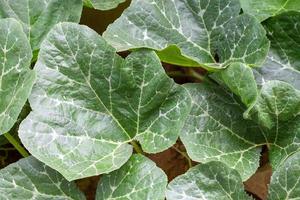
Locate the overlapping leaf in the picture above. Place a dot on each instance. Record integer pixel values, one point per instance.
(267, 8)
(138, 179)
(89, 103)
(103, 4)
(30, 179)
(216, 131)
(39, 16)
(16, 78)
(191, 33)
(213, 180)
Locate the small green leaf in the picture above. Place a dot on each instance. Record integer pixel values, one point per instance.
(30, 179)
(103, 4)
(285, 181)
(240, 80)
(89, 103)
(16, 78)
(201, 31)
(39, 16)
(268, 8)
(216, 131)
(213, 180)
(138, 179)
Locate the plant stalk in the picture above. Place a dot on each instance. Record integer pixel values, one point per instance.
(16, 144)
(184, 155)
(137, 147)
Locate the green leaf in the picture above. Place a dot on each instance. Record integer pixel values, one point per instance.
(199, 30)
(285, 182)
(89, 103)
(16, 78)
(240, 80)
(277, 102)
(102, 4)
(138, 179)
(213, 180)
(283, 61)
(30, 179)
(268, 8)
(216, 131)
(39, 16)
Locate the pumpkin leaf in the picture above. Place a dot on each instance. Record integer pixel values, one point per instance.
(102, 4)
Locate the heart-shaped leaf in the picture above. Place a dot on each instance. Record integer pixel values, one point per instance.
(16, 78)
(191, 32)
(216, 131)
(213, 180)
(39, 16)
(30, 179)
(103, 4)
(138, 179)
(89, 103)
(267, 8)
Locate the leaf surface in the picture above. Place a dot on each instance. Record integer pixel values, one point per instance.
(216, 131)
(103, 4)
(138, 179)
(89, 103)
(268, 8)
(191, 32)
(16, 78)
(30, 179)
(39, 16)
(213, 180)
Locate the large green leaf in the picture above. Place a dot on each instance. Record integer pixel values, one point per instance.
(89, 103)
(29, 179)
(16, 78)
(267, 8)
(211, 181)
(138, 179)
(39, 16)
(191, 32)
(285, 182)
(216, 131)
(103, 4)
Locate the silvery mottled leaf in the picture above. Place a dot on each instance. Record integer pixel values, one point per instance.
(39, 16)
(216, 131)
(16, 78)
(191, 32)
(29, 179)
(210, 181)
(283, 60)
(89, 103)
(138, 179)
(103, 4)
(267, 8)
(285, 181)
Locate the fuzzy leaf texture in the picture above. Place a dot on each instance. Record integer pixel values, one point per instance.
(89, 103)
(213, 181)
(268, 8)
(207, 33)
(138, 179)
(216, 131)
(102, 4)
(16, 78)
(30, 179)
(39, 16)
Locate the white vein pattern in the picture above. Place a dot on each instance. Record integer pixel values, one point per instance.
(200, 29)
(138, 179)
(213, 180)
(16, 78)
(89, 103)
(39, 16)
(29, 179)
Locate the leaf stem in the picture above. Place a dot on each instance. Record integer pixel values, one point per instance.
(137, 147)
(184, 155)
(196, 75)
(16, 144)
